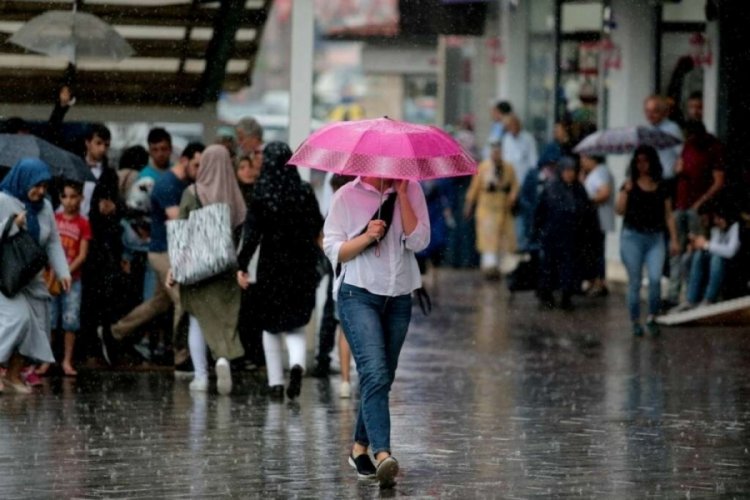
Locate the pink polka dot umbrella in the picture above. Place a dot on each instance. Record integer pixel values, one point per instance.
(384, 148)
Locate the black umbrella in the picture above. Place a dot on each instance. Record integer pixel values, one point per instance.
(62, 163)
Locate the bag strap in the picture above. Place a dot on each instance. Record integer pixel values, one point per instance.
(8, 226)
(197, 197)
(384, 213)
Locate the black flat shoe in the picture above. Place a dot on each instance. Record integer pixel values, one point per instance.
(363, 464)
(276, 392)
(386, 472)
(295, 382)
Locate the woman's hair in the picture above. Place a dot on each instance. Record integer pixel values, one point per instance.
(654, 164)
(241, 159)
(135, 157)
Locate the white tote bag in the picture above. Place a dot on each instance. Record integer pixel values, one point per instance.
(201, 246)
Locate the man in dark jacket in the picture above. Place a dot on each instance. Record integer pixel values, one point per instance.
(101, 272)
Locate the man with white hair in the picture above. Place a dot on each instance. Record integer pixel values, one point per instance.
(250, 137)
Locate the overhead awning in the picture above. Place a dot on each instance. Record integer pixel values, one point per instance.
(186, 52)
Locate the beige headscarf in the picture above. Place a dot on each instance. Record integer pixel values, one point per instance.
(217, 183)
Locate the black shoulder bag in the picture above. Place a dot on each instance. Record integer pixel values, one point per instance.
(21, 258)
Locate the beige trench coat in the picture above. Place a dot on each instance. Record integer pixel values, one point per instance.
(494, 221)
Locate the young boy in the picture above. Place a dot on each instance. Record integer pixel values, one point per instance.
(75, 234)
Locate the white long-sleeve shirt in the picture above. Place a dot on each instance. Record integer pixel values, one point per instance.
(725, 243)
(392, 271)
(521, 152)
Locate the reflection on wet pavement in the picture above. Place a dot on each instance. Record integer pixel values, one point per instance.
(493, 399)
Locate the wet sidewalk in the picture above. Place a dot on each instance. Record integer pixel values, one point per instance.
(493, 399)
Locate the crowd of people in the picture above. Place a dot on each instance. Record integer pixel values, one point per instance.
(111, 290)
(112, 282)
(556, 209)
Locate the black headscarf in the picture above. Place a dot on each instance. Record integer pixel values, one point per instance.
(279, 189)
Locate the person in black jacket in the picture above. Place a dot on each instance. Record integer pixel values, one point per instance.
(562, 221)
(101, 273)
(284, 219)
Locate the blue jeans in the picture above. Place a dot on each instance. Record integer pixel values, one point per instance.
(636, 250)
(66, 308)
(686, 222)
(375, 327)
(702, 259)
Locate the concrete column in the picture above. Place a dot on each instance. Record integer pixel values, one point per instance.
(635, 34)
(484, 83)
(301, 81)
(711, 79)
(627, 87)
(512, 76)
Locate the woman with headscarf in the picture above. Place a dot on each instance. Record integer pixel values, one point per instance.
(562, 220)
(284, 219)
(25, 317)
(214, 304)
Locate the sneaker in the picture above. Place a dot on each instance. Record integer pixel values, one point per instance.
(295, 382)
(685, 306)
(653, 327)
(386, 472)
(223, 377)
(637, 330)
(16, 387)
(363, 464)
(184, 370)
(276, 392)
(345, 390)
(199, 384)
(30, 377)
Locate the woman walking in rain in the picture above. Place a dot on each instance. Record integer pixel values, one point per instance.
(25, 317)
(375, 247)
(214, 304)
(645, 203)
(284, 219)
(493, 192)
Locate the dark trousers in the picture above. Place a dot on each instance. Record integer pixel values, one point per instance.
(250, 331)
(328, 324)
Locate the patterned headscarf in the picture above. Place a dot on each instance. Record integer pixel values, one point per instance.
(25, 174)
(217, 183)
(279, 188)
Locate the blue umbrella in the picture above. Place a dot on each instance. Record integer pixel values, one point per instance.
(62, 163)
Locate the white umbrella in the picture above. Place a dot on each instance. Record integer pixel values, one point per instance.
(72, 35)
(625, 140)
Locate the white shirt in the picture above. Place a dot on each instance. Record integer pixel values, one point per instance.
(521, 152)
(668, 156)
(394, 270)
(88, 189)
(725, 243)
(595, 180)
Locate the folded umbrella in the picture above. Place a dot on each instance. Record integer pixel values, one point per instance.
(62, 163)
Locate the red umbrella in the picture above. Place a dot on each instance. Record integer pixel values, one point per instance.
(384, 148)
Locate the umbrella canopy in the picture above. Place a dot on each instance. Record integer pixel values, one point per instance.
(384, 148)
(62, 163)
(624, 140)
(72, 35)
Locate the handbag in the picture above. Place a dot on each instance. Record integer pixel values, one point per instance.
(201, 246)
(21, 258)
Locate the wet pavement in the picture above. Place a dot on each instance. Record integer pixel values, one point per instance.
(493, 399)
